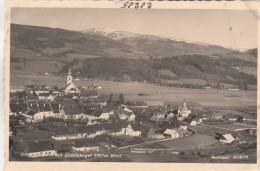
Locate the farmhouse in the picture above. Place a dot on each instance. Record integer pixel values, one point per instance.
(172, 133)
(227, 138)
(158, 115)
(56, 108)
(133, 129)
(38, 111)
(231, 117)
(101, 115)
(46, 96)
(126, 115)
(71, 112)
(94, 114)
(39, 90)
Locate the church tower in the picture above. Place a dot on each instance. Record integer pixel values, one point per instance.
(69, 77)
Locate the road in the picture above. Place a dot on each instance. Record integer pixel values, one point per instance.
(146, 143)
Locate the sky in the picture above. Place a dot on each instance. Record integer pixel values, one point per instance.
(229, 28)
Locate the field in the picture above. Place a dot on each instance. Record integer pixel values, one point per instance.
(189, 143)
(168, 95)
(234, 127)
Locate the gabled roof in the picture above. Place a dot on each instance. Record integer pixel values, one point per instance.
(44, 94)
(31, 112)
(73, 88)
(72, 110)
(45, 107)
(15, 108)
(229, 137)
(136, 126)
(34, 107)
(97, 113)
(55, 108)
(171, 131)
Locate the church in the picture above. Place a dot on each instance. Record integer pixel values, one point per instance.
(71, 87)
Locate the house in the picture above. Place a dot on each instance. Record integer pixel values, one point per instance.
(172, 133)
(126, 115)
(183, 111)
(94, 114)
(70, 133)
(170, 115)
(39, 90)
(71, 112)
(17, 108)
(227, 138)
(196, 121)
(99, 114)
(84, 145)
(231, 117)
(157, 115)
(71, 87)
(45, 110)
(217, 116)
(193, 123)
(133, 129)
(38, 111)
(46, 96)
(183, 128)
(56, 108)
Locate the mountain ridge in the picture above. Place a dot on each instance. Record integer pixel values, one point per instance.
(143, 56)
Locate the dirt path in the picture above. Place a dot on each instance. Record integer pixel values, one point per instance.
(145, 143)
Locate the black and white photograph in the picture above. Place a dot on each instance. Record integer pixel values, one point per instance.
(133, 85)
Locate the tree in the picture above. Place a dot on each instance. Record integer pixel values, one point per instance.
(120, 99)
(110, 98)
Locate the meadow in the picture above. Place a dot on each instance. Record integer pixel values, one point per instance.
(189, 143)
(130, 90)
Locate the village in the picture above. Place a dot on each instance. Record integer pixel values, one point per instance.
(47, 123)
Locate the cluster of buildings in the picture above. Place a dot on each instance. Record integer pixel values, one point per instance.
(132, 129)
(100, 119)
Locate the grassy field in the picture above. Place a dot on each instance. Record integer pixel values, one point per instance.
(169, 95)
(234, 127)
(190, 143)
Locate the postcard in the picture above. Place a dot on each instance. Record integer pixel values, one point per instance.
(129, 85)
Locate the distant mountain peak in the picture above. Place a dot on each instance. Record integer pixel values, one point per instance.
(111, 33)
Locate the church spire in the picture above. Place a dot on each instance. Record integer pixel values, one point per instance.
(69, 77)
(69, 72)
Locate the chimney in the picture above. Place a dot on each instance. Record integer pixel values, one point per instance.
(31, 104)
(37, 104)
(59, 106)
(44, 104)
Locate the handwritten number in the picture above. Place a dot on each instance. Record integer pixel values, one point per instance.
(143, 5)
(149, 5)
(125, 5)
(137, 5)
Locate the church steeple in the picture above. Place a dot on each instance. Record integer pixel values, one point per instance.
(69, 77)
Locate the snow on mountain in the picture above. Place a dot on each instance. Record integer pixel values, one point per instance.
(118, 35)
